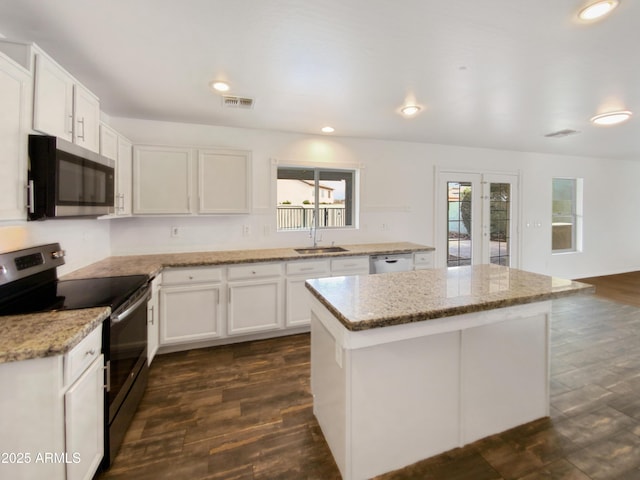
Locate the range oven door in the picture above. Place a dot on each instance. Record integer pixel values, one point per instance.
(125, 344)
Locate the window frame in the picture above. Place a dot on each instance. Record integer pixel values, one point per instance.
(576, 216)
(354, 208)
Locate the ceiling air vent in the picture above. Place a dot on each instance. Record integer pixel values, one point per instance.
(562, 133)
(229, 101)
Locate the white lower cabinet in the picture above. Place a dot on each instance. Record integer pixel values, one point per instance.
(153, 319)
(298, 308)
(84, 424)
(256, 297)
(423, 260)
(190, 305)
(53, 426)
(350, 266)
(209, 304)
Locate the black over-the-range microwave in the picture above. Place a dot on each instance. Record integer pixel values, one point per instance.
(66, 180)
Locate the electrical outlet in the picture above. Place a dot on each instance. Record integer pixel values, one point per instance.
(246, 230)
(175, 232)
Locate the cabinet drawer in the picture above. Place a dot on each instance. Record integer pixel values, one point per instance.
(191, 275)
(423, 260)
(350, 264)
(252, 270)
(304, 268)
(82, 355)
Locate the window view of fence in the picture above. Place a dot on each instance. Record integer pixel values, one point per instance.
(315, 197)
(292, 217)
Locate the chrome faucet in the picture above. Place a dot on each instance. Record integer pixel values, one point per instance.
(313, 234)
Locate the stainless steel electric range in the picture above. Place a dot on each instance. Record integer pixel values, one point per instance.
(29, 283)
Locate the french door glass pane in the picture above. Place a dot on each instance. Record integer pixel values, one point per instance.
(500, 219)
(459, 223)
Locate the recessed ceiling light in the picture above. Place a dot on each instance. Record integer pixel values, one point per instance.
(410, 110)
(328, 129)
(220, 86)
(597, 9)
(611, 118)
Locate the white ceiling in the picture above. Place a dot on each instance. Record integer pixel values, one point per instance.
(492, 73)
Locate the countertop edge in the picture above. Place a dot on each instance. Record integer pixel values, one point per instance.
(153, 264)
(382, 321)
(73, 335)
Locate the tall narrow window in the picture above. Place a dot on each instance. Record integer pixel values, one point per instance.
(315, 197)
(459, 228)
(500, 223)
(566, 215)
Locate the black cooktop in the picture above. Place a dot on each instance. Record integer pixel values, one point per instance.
(75, 294)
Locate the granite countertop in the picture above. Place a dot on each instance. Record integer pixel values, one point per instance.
(364, 302)
(153, 264)
(23, 337)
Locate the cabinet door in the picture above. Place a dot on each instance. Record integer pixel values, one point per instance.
(153, 320)
(254, 306)
(423, 260)
(53, 99)
(161, 180)
(224, 181)
(298, 305)
(123, 176)
(86, 115)
(350, 266)
(108, 142)
(189, 313)
(84, 423)
(14, 96)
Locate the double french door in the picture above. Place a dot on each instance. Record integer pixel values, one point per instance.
(477, 219)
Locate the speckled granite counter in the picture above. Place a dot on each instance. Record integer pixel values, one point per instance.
(152, 264)
(365, 302)
(23, 337)
(45, 334)
(464, 354)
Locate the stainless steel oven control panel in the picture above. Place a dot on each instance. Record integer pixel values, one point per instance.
(29, 261)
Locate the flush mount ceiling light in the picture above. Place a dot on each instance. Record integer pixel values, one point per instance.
(611, 118)
(410, 110)
(597, 10)
(220, 86)
(328, 129)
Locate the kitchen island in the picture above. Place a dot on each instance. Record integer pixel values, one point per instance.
(408, 365)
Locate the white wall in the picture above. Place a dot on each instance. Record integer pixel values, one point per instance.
(84, 240)
(396, 196)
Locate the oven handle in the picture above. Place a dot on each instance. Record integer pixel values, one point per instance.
(128, 311)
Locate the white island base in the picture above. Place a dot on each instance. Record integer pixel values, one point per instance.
(390, 396)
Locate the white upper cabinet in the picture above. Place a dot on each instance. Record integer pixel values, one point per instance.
(108, 142)
(118, 148)
(62, 106)
(124, 168)
(86, 117)
(224, 181)
(165, 180)
(162, 180)
(53, 99)
(14, 98)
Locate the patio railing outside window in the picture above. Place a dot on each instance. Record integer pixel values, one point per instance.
(295, 217)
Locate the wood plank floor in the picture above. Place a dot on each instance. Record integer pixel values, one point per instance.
(245, 411)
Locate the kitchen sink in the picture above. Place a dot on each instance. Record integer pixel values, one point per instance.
(320, 250)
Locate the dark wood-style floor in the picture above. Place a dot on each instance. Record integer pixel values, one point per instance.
(245, 411)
